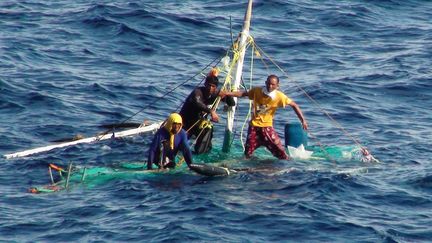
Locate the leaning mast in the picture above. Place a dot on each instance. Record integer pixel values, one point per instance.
(241, 48)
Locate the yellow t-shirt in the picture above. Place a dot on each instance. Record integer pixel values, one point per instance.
(265, 107)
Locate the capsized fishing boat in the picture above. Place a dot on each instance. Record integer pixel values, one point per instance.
(230, 68)
(66, 177)
(74, 175)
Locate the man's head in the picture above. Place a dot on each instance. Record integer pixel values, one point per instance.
(211, 83)
(272, 83)
(174, 123)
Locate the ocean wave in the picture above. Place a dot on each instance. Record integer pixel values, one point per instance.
(423, 183)
(100, 21)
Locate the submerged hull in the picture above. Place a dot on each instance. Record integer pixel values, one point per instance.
(212, 164)
(92, 176)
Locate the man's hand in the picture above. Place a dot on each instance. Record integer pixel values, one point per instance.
(305, 125)
(222, 94)
(214, 116)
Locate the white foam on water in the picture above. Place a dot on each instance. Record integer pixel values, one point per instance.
(299, 152)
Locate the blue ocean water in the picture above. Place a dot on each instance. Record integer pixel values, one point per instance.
(69, 66)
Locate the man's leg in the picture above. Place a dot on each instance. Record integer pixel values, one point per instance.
(273, 143)
(252, 141)
(203, 142)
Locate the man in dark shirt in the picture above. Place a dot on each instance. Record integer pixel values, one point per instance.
(196, 107)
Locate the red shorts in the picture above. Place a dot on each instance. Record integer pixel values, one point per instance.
(266, 136)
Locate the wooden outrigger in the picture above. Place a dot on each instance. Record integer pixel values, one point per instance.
(125, 133)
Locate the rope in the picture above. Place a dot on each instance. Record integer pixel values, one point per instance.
(227, 83)
(250, 102)
(155, 101)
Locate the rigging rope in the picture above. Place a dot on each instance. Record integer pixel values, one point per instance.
(227, 85)
(337, 124)
(250, 102)
(156, 100)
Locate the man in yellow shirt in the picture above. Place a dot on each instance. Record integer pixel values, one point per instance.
(266, 100)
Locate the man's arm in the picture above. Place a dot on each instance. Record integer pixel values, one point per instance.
(238, 94)
(153, 150)
(299, 113)
(185, 148)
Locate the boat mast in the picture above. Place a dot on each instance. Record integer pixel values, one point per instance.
(244, 35)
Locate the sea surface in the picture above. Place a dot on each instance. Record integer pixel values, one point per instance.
(67, 67)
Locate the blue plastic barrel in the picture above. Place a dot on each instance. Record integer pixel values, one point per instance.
(295, 135)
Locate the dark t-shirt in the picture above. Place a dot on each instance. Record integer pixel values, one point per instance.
(197, 104)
